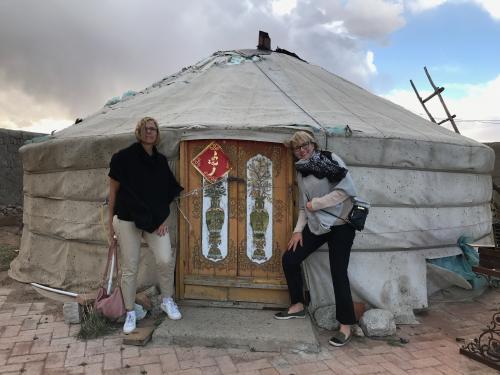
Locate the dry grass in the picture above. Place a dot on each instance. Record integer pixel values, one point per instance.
(94, 325)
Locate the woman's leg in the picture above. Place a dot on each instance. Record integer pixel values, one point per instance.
(165, 261)
(165, 268)
(339, 245)
(129, 239)
(292, 260)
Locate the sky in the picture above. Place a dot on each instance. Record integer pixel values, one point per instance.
(63, 59)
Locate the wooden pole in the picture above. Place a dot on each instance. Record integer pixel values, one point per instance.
(437, 91)
(422, 102)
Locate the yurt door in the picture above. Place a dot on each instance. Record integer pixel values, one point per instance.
(238, 225)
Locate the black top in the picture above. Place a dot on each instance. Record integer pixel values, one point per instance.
(147, 186)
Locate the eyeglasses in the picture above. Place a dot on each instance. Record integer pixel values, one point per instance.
(302, 146)
(148, 129)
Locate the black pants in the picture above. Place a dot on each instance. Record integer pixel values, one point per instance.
(340, 240)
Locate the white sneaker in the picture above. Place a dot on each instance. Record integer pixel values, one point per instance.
(170, 307)
(129, 325)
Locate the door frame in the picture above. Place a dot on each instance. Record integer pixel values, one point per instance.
(182, 280)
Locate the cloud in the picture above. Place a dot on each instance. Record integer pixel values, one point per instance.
(492, 7)
(71, 57)
(477, 114)
(417, 6)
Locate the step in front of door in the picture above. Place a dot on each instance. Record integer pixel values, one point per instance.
(236, 289)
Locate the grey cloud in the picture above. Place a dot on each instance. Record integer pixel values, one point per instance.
(81, 53)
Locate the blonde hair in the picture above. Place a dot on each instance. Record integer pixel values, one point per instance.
(300, 138)
(142, 123)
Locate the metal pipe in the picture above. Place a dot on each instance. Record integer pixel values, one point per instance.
(71, 294)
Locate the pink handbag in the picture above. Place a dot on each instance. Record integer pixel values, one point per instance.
(110, 305)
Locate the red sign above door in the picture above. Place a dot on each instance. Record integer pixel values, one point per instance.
(212, 162)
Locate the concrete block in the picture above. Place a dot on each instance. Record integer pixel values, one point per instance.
(72, 313)
(255, 330)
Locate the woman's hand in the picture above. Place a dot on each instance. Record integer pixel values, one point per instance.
(309, 206)
(296, 239)
(162, 230)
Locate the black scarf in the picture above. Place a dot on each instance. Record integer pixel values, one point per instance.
(321, 165)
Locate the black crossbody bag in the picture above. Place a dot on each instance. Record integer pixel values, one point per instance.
(357, 216)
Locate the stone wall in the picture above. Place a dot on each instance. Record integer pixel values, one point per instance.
(11, 169)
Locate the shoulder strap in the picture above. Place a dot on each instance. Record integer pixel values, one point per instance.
(112, 251)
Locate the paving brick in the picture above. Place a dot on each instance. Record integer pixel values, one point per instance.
(55, 360)
(64, 341)
(426, 353)
(60, 331)
(130, 351)
(201, 362)
(337, 367)
(34, 368)
(226, 365)
(29, 323)
(369, 359)
(22, 348)
(11, 331)
(22, 309)
(191, 371)
(26, 358)
(95, 342)
(424, 371)
(253, 365)
(76, 349)
(112, 361)
(12, 367)
(75, 370)
(367, 369)
(309, 368)
(269, 371)
(112, 341)
(396, 360)
(79, 361)
(425, 362)
(37, 307)
(102, 350)
(391, 368)
(156, 350)
(153, 369)
(144, 360)
(93, 369)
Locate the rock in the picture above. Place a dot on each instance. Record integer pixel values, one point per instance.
(325, 318)
(378, 323)
(72, 312)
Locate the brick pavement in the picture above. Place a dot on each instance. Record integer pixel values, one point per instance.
(35, 343)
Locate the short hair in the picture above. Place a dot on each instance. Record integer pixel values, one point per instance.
(142, 123)
(301, 137)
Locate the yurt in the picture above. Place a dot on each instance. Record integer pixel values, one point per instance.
(427, 185)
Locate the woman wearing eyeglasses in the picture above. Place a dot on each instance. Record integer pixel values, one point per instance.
(325, 187)
(141, 188)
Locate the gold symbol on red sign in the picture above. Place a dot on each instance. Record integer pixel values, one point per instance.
(212, 162)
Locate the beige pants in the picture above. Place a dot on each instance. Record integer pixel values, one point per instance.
(129, 239)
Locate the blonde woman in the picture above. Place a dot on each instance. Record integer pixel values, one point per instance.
(325, 188)
(141, 188)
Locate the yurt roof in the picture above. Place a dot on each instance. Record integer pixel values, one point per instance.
(261, 90)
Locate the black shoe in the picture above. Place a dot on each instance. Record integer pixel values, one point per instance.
(340, 339)
(283, 315)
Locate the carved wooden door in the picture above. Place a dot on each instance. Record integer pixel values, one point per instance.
(230, 250)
